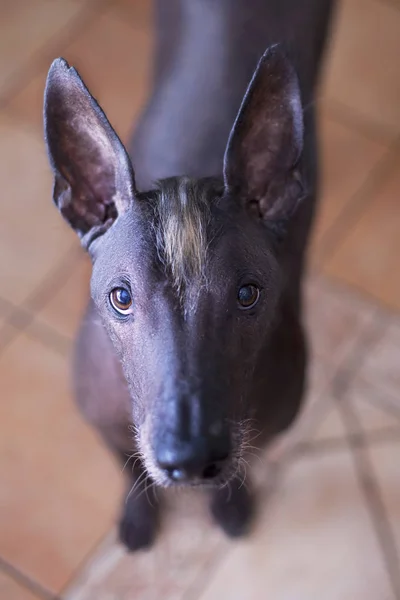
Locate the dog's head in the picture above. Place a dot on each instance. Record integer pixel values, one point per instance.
(185, 275)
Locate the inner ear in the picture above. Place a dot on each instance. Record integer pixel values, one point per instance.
(93, 177)
(266, 141)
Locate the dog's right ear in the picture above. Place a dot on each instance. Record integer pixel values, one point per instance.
(93, 177)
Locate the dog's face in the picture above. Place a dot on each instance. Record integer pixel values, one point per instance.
(185, 276)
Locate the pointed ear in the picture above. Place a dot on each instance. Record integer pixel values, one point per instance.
(93, 177)
(265, 144)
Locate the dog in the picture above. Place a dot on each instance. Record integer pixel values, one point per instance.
(192, 345)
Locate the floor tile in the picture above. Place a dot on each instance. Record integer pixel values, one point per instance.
(140, 11)
(386, 468)
(31, 230)
(382, 364)
(7, 334)
(5, 310)
(362, 70)
(331, 426)
(347, 158)
(188, 542)
(367, 255)
(66, 306)
(335, 321)
(314, 540)
(317, 405)
(60, 487)
(11, 590)
(373, 407)
(27, 26)
(113, 58)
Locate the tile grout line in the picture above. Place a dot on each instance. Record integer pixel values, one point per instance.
(51, 339)
(358, 203)
(342, 375)
(337, 444)
(38, 297)
(354, 121)
(358, 290)
(365, 474)
(20, 318)
(198, 586)
(86, 564)
(373, 500)
(23, 75)
(356, 294)
(26, 581)
(348, 371)
(387, 407)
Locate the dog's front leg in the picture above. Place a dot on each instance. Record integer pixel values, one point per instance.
(140, 510)
(233, 507)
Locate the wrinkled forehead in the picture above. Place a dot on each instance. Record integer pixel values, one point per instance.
(169, 230)
(184, 224)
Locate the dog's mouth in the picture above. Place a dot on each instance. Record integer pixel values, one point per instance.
(217, 474)
(162, 479)
(213, 476)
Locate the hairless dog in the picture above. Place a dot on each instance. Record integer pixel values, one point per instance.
(193, 338)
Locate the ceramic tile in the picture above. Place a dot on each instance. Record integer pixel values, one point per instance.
(139, 11)
(362, 71)
(7, 334)
(113, 58)
(314, 540)
(331, 426)
(382, 364)
(347, 158)
(317, 405)
(11, 590)
(60, 488)
(375, 408)
(385, 464)
(5, 310)
(31, 230)
(367, 255)
(65, 308)
(25, 27)
(335, 321)
(188, 542)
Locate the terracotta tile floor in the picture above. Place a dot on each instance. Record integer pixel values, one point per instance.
(329, 520)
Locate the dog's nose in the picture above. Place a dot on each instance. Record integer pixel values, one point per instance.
(190, 462)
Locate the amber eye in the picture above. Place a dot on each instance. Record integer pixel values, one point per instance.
(121, 300)
(248, 296)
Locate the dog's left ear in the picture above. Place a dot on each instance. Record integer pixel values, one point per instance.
(266, 141)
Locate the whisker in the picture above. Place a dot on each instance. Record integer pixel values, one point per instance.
(135, 454)
(146, 490)
(229, 491)
(135, 486)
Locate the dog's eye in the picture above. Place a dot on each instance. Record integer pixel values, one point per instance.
(248, 296)
(121, 301)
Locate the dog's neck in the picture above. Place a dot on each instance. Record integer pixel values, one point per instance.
(204, 58)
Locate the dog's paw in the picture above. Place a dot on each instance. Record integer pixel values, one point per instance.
(233, 509)
(138, 524)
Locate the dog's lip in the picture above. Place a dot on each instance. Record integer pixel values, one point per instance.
(222, 480)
